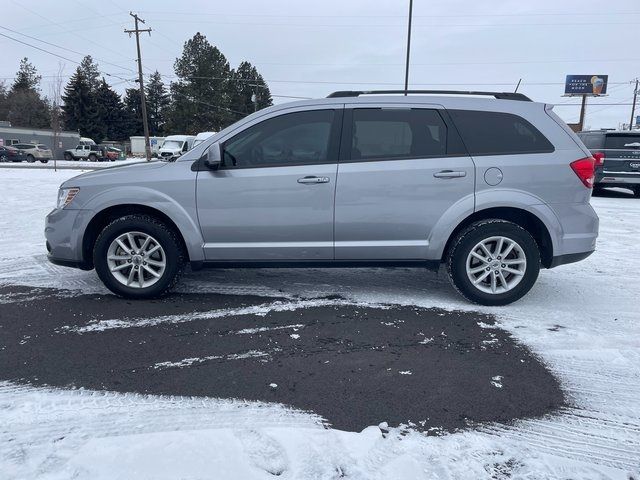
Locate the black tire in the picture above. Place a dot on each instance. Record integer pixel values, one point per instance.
(165, 235)
(469, 237)
(636, 192)
(44, 160)
(30, 158)
(68, 156)
(4, 158)
(93, 158)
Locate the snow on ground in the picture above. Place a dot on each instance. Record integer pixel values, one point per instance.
(581, 319)
(71, 164)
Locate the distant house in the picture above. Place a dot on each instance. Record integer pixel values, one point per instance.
(58, 143)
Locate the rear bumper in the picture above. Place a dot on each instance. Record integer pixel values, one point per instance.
(617, 179)
(569, 258)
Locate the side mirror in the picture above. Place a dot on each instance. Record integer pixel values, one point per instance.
(212, 157)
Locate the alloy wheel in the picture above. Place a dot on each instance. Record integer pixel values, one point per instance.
(496, 265)
(136, 259)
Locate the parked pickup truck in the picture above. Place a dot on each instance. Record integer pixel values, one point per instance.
(93, 153)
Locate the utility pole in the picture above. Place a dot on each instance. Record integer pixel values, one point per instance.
(583, 110)
(633, 108)
(406, 72)
(145, 121)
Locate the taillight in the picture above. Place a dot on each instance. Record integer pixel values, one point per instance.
(598, 157)
(585, 170)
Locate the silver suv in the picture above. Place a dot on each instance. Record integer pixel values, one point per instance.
(494, 188)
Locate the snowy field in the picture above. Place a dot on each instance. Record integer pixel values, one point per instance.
(581, 319)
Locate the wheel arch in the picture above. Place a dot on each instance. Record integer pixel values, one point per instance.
(520, 216)
(102, 218)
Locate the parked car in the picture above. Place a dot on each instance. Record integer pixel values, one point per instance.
(175, 145)
(11, 154)
(494, 189)
(201, 137)
(112, 153)
(93, 153)
(617, 156)
(35, 152)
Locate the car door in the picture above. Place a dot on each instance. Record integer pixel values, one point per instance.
(272, 198)
(401, 169)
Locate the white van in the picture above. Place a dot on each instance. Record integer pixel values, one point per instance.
(201, 137)
(175, 145)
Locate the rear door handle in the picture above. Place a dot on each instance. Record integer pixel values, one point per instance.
(450, 174)
(313, 180)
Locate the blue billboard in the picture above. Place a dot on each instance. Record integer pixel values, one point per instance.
(586, 84)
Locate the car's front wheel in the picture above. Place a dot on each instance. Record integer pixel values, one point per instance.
(493, 262)
(68, 157)
(138, 256)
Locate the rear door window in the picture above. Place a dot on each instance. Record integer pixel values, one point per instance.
(622, 142)
(497, 133)
(388, 134)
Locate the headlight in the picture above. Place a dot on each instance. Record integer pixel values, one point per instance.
(66, 196)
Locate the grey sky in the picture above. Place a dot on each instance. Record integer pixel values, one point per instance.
(309, 49)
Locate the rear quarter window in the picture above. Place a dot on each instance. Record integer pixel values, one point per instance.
(498, 133)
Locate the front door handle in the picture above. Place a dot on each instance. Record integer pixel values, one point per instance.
(450, 174)
(313, 180)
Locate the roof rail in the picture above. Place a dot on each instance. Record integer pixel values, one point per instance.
(498, 95)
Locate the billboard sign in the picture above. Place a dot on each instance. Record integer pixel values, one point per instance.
(586, 85)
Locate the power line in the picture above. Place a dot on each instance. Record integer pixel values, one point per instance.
(61, 47)
(491, 15)
(69, 31)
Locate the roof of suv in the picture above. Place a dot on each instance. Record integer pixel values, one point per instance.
(447, 100)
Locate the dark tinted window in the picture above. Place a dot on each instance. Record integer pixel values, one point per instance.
(397, 133)
(295, 138)
(592, 141)
(494, 133)
(622, 141)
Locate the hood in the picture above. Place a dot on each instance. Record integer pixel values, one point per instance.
(116, 174)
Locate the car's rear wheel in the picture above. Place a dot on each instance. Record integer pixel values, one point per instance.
(138, 256)
(44, 160)
(4, 158)
(493, 262)
(30, 158)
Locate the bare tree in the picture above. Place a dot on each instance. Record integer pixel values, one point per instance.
(56, 111)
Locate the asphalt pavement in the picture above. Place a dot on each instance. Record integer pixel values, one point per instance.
(354, 365)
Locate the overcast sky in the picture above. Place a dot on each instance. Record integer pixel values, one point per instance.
(310, 49)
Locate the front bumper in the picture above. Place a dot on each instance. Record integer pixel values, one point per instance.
(63, 232)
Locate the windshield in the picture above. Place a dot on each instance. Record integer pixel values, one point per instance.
(197, 142)
(43, 147)
(175, 144)
(622, 141)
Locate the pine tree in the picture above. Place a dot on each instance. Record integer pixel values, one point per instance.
(200, 95)
(111, 112)
(157, 99)
(4, 106)
(91, 72)
(24, 105)
(133, 112)
(245, 86)
(80, 109)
